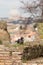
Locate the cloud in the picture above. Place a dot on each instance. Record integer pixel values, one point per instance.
(6, 6)
(10, 8)
(14, 14)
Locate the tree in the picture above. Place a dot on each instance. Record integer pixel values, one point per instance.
(31, 9)
(42, 7)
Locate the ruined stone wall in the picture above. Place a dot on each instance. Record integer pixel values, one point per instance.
(14, 58)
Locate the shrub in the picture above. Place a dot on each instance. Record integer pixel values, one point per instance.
(41, 36)
(40, 30)
(3, 25)
(0, 42)
(32, 52)
(10, 53)
(21, 27)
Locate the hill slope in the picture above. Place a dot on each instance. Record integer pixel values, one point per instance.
(4, 35)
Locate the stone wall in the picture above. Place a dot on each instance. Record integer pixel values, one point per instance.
(15, 59)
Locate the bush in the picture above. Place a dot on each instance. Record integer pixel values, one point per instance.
(3, 25)
(0, 42)
(41, 36)
(10, 53)
(40, 30)
(32, 52)
(21, 27)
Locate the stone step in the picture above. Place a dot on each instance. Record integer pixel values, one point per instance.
(16, 58)
(4, 57)
(5, 62)
(8, 63)
(2, 63)
(20, 64)
(4, 53)
(16, 53)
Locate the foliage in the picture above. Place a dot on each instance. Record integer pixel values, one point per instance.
(41, 36)
(4, 35)
(0, 42)
(20, 27)
(10, 53)
(3, 25)
(32, 52)
(16, 45)
(40, 29)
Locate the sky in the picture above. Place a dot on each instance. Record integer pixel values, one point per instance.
(6, 6)
(9, 8)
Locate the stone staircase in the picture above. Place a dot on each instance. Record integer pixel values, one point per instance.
(15, 58)
(7, 59)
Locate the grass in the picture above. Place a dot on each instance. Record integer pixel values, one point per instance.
(40, 29)
(16, 45)
(23, 45)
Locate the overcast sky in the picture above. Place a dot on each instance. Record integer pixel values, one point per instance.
(9, 7)
(6, 6)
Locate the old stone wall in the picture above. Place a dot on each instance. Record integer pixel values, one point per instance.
(15, 59)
